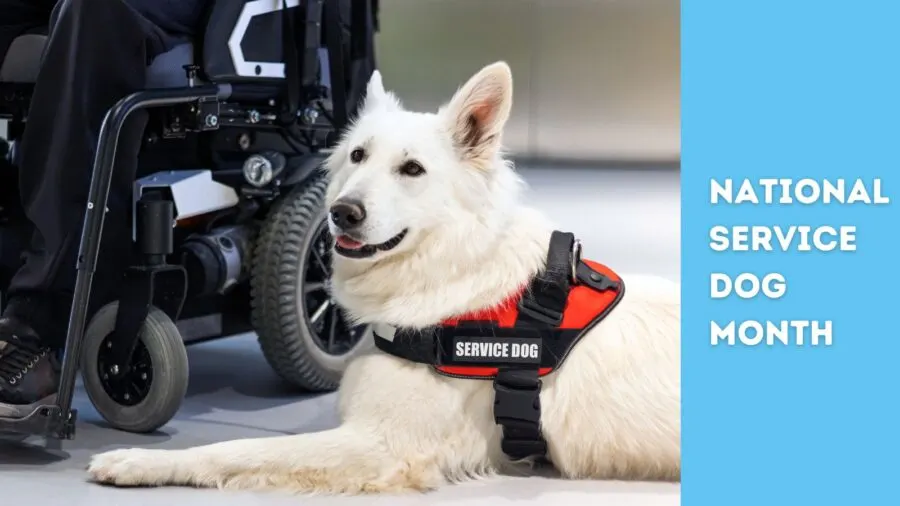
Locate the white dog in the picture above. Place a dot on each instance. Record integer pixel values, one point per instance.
(443, 233)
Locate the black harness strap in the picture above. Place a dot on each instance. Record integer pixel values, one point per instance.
(419, 346)
(545, 300)
(517, 390)
(517, 409)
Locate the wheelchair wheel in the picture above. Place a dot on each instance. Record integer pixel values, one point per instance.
(149, 395)
(302, 332)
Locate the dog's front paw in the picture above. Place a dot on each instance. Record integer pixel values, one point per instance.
(133, 467)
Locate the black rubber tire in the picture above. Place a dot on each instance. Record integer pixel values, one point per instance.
(169, 362)
(278, 314)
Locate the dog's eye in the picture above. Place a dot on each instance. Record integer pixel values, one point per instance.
(412, 169)
(357, 155)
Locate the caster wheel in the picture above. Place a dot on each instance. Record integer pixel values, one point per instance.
(150, 393)
(302, 332)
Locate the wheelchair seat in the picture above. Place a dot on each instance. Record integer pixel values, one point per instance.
(23, 60)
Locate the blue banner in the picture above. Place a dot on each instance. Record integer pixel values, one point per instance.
(791, 282)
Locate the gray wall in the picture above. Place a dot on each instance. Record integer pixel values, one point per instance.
(594, 79)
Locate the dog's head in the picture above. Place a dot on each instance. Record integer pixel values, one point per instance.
(397, 176)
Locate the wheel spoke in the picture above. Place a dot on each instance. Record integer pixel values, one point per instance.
(332, 331)
(320, 260)
(335, 329)
(131, 389)
(309, 288)
(320, 312)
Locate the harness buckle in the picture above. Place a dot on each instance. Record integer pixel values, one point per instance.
(515, 407)
(517, 397)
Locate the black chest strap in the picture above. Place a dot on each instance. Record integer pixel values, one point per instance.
(517, 385)
(517, 390)
(517, 409)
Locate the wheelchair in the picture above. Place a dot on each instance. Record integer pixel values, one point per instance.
(230, 238)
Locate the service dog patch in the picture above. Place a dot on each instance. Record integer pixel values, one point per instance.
(501, 350)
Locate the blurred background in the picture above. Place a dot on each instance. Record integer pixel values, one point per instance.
(595, 80)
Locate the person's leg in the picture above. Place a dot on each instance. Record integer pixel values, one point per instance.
(98, 53)
(17, 17)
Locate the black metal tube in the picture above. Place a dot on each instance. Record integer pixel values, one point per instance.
(154, 220)
(98, 196)
(332, 23)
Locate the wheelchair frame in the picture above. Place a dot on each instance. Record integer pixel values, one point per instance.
(198, 108)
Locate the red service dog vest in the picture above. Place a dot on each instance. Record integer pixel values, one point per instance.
(527, 337)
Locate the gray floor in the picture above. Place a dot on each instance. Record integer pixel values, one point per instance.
(628, 219)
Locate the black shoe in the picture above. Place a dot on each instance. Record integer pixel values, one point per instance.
(29, 371)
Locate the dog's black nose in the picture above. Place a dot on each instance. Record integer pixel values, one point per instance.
(348, 214)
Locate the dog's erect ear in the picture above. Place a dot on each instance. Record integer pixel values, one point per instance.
(478, 112)
(377, 97)
(375, 88)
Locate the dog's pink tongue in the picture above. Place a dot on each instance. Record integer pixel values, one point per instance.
(348, 243)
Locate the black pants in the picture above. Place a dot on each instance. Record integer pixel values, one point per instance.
(98, 53)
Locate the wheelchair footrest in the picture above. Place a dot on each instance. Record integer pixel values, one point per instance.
(45, 421)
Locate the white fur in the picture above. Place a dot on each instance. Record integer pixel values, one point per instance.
(611, 411)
